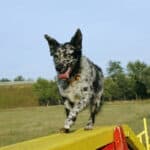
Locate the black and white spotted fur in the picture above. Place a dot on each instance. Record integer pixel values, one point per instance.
(80, 81)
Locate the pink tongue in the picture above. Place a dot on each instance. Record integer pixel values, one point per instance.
(65, 75)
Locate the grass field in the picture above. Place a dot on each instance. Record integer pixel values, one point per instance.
(21, 124)
(19, 95)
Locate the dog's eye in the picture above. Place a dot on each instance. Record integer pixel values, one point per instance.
(55, 56)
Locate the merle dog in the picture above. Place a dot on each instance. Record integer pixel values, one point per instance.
(80, 81)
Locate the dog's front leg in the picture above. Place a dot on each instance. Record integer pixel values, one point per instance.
(68, 106)
(79, 106)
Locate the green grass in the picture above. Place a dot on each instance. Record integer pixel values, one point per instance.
(21, 124)
(20, 95)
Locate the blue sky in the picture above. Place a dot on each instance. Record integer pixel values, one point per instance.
(112, 30)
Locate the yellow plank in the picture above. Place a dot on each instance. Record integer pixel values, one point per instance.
(79, 140)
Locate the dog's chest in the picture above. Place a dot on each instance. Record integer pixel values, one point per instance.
(75, 91)
(82, 87)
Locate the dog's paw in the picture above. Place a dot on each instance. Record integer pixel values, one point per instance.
(88, 128)
(64, 130)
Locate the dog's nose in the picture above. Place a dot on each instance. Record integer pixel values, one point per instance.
(59, 67)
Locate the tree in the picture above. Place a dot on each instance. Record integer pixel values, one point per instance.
(110, 89)
(136, 69)
(4, 80)
(19, 78)
(146, 77)
(130, 88)
(114, 68)
(47, 92)
(138, 72)
(116, 73)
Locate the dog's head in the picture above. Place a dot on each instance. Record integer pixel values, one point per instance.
(66, 56)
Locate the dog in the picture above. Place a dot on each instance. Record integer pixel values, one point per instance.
(79, 80)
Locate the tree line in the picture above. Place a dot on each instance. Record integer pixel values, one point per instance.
(130, 83)
(17, 78)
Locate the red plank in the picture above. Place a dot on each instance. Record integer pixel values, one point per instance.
(119, 139)
(109, 147)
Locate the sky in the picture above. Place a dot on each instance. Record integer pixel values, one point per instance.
(117, 30)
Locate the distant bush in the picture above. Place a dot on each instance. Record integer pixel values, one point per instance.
(19, 78)
(5, 80)
(47, 92)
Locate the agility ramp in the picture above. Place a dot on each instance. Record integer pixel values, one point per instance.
(100, 138)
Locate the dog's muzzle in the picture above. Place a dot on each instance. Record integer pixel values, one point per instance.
(65, 75)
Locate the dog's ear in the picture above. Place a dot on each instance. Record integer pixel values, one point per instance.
(53, 44)
(76, 40)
